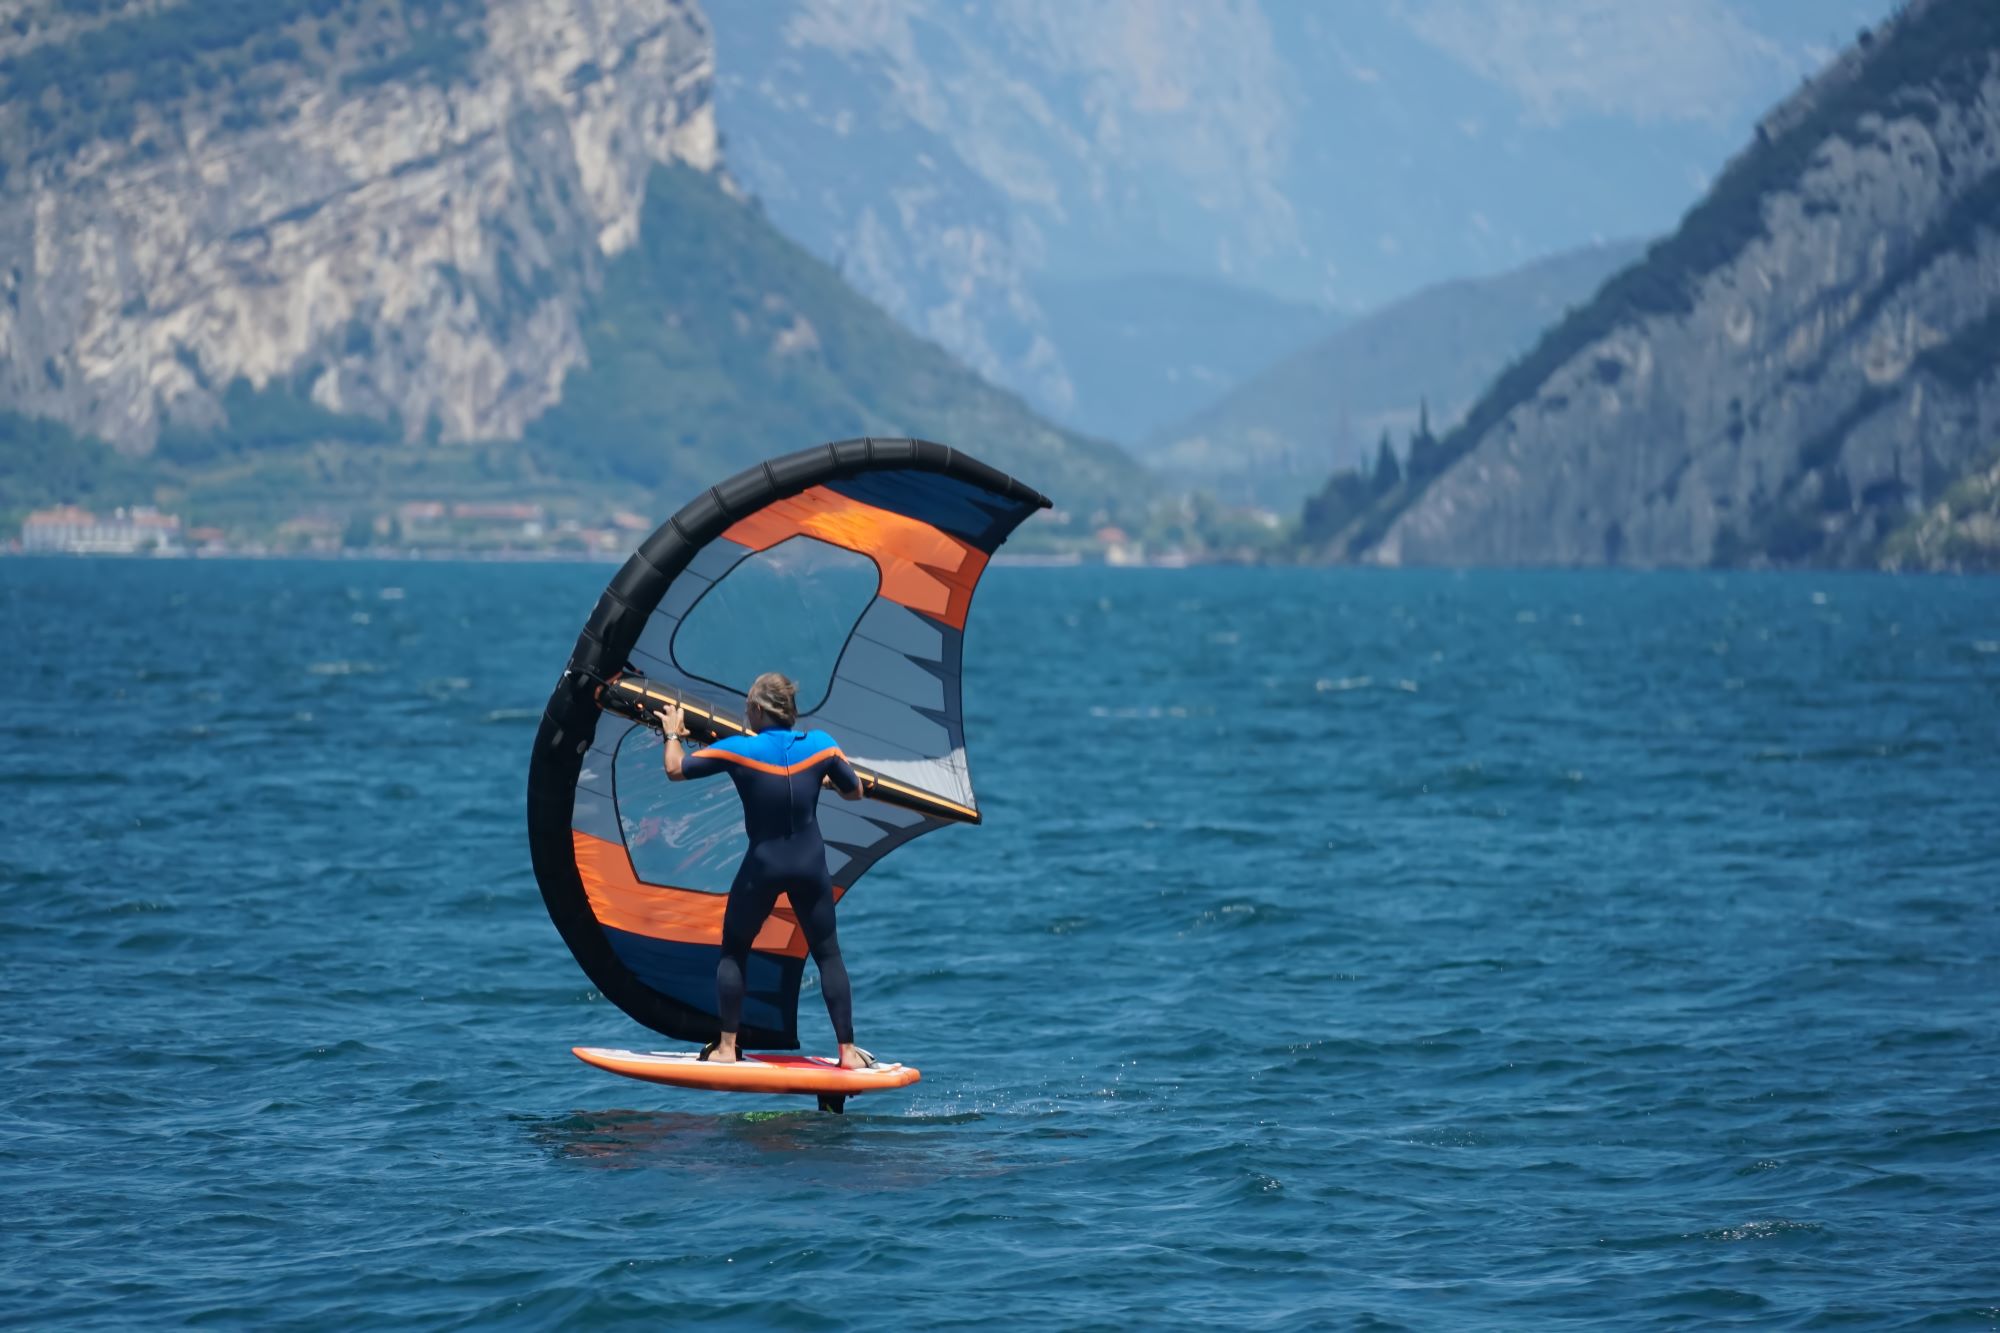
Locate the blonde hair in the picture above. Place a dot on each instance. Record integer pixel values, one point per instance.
(776, 697)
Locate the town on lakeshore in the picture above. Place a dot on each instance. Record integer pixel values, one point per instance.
(481, 530)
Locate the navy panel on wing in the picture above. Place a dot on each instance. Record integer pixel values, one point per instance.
(686, 972)
(966, 511)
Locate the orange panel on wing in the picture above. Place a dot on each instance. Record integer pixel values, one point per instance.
(621, 900)
(922, 568)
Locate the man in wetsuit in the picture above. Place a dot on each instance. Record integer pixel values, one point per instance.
(778, 771)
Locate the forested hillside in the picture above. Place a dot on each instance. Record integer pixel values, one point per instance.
(1802, 368)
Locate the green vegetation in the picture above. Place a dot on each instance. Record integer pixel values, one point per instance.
(1960, 532)
(1344, 498)
(44, 463)
(1969, 356)
(1427, 456)
(1941, 51)
(1388, 474)
(1818, 518)
(270, 420)
(1200, 527)
(716, 342)
(277, 451)
(1351, 495)
(94, 85)
(440, 53)
(712, 344)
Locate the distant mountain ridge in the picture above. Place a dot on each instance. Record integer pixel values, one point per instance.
(1803, 366)
(1147, 349)
(1325, 406)
(951, 158)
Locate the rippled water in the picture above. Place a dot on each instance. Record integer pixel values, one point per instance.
(1348, 948)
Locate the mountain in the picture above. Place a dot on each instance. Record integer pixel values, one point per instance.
(1146, 350)
(411, 199)
(1805, 365)
(1961, 532)
(342, 250)
(716, 342)
(950, 158)
(1324, 406)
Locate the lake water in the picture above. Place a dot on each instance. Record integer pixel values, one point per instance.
(1342, 948)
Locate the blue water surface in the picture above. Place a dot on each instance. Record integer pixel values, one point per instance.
(1342, 948)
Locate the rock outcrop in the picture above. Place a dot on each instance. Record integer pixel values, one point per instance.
(1806, 362)
(392, 210)
(1959, 534)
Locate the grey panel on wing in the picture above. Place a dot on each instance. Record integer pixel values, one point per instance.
(858, 834)
(685, 834)
(913, 684)
(894, 705)
(653, 655)
(898, 627)
(603, 753)
(596, 815)
(595, 809)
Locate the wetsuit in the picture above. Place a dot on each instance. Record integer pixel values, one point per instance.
(777, 773)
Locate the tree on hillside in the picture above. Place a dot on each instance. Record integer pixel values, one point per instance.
(1338, 503)
(1388, 473)
(1426, 456)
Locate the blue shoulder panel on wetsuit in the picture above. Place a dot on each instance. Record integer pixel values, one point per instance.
(711, 759)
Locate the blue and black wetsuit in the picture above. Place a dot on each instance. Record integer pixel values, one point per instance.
(777, 773)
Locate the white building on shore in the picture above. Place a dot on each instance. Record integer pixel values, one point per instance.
(140, 530)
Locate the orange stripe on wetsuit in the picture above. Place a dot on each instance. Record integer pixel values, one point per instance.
(784, 771)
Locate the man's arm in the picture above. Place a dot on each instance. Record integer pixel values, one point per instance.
(840, 775)
(673, 725)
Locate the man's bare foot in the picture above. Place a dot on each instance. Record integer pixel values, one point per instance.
(853, 1057)
(722, 1052)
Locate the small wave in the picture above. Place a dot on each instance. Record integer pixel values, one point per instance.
(1238, 915)
(1762, 1230)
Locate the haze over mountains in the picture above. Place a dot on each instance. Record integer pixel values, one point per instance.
(1279, 433)
(1143, 351)
(959, 163)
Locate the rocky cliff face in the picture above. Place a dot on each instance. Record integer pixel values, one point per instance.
(1807, 361)
(392, 209)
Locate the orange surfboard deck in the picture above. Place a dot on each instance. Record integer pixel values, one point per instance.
(807, 1074)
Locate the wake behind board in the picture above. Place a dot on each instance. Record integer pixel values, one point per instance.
(811, 1075)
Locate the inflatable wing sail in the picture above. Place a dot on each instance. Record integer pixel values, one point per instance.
(850, 568)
